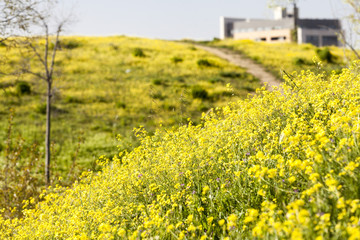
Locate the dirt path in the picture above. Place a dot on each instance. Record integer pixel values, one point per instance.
(251, 67)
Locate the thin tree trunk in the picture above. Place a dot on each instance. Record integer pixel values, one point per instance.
(47, 137)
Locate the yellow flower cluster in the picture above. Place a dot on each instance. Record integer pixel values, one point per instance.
(279, 165)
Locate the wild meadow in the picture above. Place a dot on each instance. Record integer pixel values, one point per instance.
(289, 57)
(104, 87)
(279, 165)
(108, 86)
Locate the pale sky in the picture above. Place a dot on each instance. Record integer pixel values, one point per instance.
(178, 19)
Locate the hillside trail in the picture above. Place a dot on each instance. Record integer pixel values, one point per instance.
(251, 67)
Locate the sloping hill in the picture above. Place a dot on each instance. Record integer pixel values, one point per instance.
(251, 66)
(289, 57)
(106, 86)
(281, 165)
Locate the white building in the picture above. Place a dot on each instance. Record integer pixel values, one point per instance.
(285, 27)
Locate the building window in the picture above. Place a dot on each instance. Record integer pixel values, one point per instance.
(329, 40)
(229, 29)
(281, 38)
(313, 39)
(261, 39)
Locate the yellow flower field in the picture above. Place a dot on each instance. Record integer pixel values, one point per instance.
(279, 165)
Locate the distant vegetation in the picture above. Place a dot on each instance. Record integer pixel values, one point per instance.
(289, 57)
(138, 52)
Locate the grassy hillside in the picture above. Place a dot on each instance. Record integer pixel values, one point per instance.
(281, 165)
(108, 86)
(290, 57)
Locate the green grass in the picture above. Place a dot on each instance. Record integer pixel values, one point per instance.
(106, 86)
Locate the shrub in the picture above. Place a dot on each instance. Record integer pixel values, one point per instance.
(256, 59)
(231, 74)
(203, 107)
(138, 52)
(72, 99)
(204, 63)
(41, 108)
(215, 39)
(20, 161)
(249, 89)
(220, 94)
(299, 61)
(176, 59)
(23, 88)
(157, 81)
(69, 44)
(324, 54)
(228, 93)
(114, 47)
(120, 104)
(179, 79)
(199, 92)
(215, 80)
(158, 95)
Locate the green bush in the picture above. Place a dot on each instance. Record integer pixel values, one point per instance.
(120, 104)
(179, 79)
(204, 63)
(324, 54)
(158, 95)
(176, 59)
(69, 44)
(249, 89)
(215, 80)
(114, 47)
(215, 39)
(41, 108)
(203, 107)
(157, 81)
(299, 61)
(72, 99)
(231, 74)
(138, 52)
(199, 92)
(23, 88)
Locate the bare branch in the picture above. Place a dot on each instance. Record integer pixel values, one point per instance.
(342, 35)
(59, 30)
(46, 52)
(36, 52)
(38, 75)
